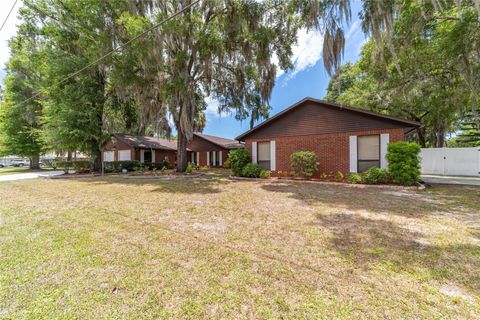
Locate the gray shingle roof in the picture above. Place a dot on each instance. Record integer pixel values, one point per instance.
(222, 142)
(147, 142)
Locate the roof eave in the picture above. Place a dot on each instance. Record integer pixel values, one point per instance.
(407, 123)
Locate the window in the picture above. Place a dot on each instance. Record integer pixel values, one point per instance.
(214, 160)
(263, 155)
(124, 155)
(147, 156)
(108, 156)
(368, 152)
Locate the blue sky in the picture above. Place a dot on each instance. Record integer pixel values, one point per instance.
(307, 78)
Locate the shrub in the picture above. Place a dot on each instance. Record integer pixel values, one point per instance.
(339, 176)
(52, 163)
(304, 163)
(84, 166)
(226, 164)
(239, 158)
(66, 166)
(265, 174)
(403, 162)
(189, 168)
(375, 175)
(157, 165)
(251, 170)
(116, 166)
(354, 178)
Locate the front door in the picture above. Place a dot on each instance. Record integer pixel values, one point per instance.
(147, 156)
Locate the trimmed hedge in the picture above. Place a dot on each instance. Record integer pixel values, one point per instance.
(157, 165)
(252, 170)
(375, 175)
(403, 162)
(238, 159)
(83, 166)
(354, 178)
(265, 174)
(117, 166)
(304, 163)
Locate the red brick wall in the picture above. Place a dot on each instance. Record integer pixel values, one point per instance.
(201, 145)
(332, 149)
(161, 154)
(115, 145)
(203, 156)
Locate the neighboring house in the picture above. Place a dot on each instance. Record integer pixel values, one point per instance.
(212, 151)
(123, 147)
(345, 139)
(204, 150)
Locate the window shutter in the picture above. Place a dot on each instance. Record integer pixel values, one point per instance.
(384, 140)
(220, 156)
(273, 162)
(208, 158)
(142, 157)
(254, 152)
(153, 156)
(353, 153)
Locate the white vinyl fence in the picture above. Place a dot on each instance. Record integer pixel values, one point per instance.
(451, 161)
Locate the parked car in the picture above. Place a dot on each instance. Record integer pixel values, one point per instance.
(19, 163)
(2, 165)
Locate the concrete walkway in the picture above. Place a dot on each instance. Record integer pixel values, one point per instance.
(469, 181)
(29, 175)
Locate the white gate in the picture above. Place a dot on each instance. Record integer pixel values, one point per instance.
(451, 161)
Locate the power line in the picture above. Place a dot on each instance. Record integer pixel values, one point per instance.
(8, 15)
(117, 48)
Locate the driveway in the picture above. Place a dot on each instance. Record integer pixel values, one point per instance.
(461, 180)
(29, 175)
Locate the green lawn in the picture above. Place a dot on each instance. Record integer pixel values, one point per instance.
(24, 169)
(115, 248)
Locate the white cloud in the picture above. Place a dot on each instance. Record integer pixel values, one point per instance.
(305, 54)
(308, 50)
(9, 29)
(354, 29)
(212, 106)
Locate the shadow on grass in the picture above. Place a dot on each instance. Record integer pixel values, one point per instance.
(381, 244)
(401, 202)
(186, 185)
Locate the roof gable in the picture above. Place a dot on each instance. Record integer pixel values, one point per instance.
(221, 142)
(147, 142)
(313, 116)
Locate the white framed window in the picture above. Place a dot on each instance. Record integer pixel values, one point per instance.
(108, 156)
(264, 155)
(124, 155)
(368, 152)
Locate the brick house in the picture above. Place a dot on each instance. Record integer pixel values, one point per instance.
(212, 151)
(345, 139)
(205, 150)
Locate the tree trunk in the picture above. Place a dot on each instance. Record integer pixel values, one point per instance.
(35, 162)
(421, 137)
(97, 161)
(441, 138)
(69, 156)
(181, 152)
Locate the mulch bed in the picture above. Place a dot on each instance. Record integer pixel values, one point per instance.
(169, 176)
(329, 182)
